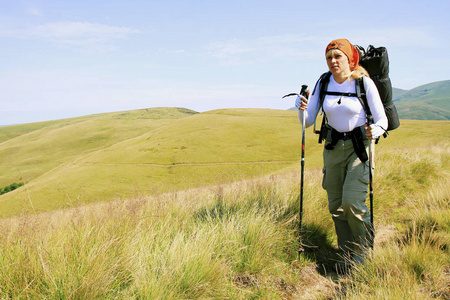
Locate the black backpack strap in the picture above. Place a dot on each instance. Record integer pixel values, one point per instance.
(361, 91)
(359, 87)
(324, 80)
(361, 94)
(322, 83)
(342, 94)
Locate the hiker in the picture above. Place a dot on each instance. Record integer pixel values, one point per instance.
(345, 175)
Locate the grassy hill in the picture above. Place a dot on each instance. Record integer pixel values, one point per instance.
(426, 102)
(120, 155)
(29, 151)
(225, 239)
(396, 93)
(97, 158)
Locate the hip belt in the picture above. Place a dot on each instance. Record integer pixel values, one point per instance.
(341, 135)
(356, 135)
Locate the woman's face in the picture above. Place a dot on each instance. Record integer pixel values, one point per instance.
(338, 63)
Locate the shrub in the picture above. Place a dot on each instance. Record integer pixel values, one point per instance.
(10, 187)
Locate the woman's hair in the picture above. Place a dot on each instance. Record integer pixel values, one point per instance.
(358, 72)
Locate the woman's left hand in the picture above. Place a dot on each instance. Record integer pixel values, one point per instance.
(373, 131)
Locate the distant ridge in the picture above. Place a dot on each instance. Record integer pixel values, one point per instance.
(426, 102)
(397, 92)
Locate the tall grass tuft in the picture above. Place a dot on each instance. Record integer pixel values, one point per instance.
(233, 241)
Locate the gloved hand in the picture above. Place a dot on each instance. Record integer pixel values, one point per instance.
(301, 103)
(374, 131)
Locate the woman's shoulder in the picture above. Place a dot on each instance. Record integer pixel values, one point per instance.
(368, 82)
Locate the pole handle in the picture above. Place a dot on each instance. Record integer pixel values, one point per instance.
(303, 90)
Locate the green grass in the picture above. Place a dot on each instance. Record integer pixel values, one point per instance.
(216, 234)
(173, 247)
(68, 164)
(199, 150)
(27, 151)
(232, 241)
(196, 227)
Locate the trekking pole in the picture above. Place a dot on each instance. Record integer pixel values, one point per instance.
(371, 166)
(300, 243)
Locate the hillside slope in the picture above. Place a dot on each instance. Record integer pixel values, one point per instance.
(397, 92)
(28, 151)
(237, 240)
(203, 149)
(426, 102)
(150, 157)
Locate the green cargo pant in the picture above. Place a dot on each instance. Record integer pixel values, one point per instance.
(346, 178)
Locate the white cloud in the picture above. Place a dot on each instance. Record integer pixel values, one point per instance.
(263, 49)
(303, 47)
(84, 35)
(79, 30)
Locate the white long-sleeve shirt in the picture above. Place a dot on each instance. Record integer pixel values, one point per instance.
(346, 113)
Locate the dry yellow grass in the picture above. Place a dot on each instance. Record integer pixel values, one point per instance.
(237, 240)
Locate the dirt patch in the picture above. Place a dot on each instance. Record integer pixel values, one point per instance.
(283, 288)
(384, 234)
(314, 285)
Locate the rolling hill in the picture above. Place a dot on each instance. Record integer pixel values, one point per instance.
(154, 237)
(111, 156)
(29, 150)
(426, 102)
(106, 156)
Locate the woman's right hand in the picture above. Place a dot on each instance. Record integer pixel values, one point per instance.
(301, 103)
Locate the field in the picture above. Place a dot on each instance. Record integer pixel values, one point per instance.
(123, 155)
(205, 206)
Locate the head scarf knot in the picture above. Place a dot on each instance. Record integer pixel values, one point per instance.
(348, 49)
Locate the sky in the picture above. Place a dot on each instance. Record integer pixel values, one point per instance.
(66, 58)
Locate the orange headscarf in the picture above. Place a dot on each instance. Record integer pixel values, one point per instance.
(349, 50)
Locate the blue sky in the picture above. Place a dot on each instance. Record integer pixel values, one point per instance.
(60, 59)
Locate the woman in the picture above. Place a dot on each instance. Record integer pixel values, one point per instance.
(345, 176)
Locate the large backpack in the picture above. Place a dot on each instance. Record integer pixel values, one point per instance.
(376, 62)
